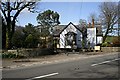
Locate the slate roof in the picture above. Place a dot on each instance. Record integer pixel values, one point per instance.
(60, 28)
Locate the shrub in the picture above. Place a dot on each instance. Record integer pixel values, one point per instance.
(116, 42)
(18, 39)
(107, 44)
(11, 55)
(104, 44)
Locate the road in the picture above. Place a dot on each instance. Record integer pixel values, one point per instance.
(100, 67)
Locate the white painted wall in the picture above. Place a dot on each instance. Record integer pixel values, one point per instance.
(91, 36)
(79, 39)
(70, 28)
(99, 39)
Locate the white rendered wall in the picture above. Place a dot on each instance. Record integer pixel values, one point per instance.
(70, 28)
(91, 36)
(99, 40)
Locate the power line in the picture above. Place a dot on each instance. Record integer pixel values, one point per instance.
(81, 9)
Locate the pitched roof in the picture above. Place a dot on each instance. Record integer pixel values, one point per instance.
(57, 33)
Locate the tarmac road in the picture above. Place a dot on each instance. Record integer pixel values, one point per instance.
(100, 67)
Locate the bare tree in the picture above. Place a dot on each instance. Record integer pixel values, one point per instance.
(109, 16)
(83, 27)
(10, 11)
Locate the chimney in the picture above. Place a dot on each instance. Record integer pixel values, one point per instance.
(93, 24)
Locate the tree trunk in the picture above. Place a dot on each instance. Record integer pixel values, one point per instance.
(45, 41)
(3, 35)
(9, 35)
(104, 38)
(10, 28)
(13, 28)
(8, 40)
(8, 32)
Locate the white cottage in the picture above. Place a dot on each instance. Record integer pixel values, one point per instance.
(69, 37)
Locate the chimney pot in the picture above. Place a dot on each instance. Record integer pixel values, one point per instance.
(93, 23)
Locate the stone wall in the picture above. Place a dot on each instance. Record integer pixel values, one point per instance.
(110, 49)
(31, 52)
(41, 52)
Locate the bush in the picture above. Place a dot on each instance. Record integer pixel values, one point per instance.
(11, 55)
(107, 44)
(116, 42)
(18, 39)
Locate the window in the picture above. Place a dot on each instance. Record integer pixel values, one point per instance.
(70, 38)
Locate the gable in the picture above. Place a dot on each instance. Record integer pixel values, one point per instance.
(70, 28)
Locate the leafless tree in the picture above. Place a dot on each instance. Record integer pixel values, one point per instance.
(109, 16)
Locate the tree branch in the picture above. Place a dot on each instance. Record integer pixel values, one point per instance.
(16, 5)
(3, 11)
(18, 12)
(24, 6)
